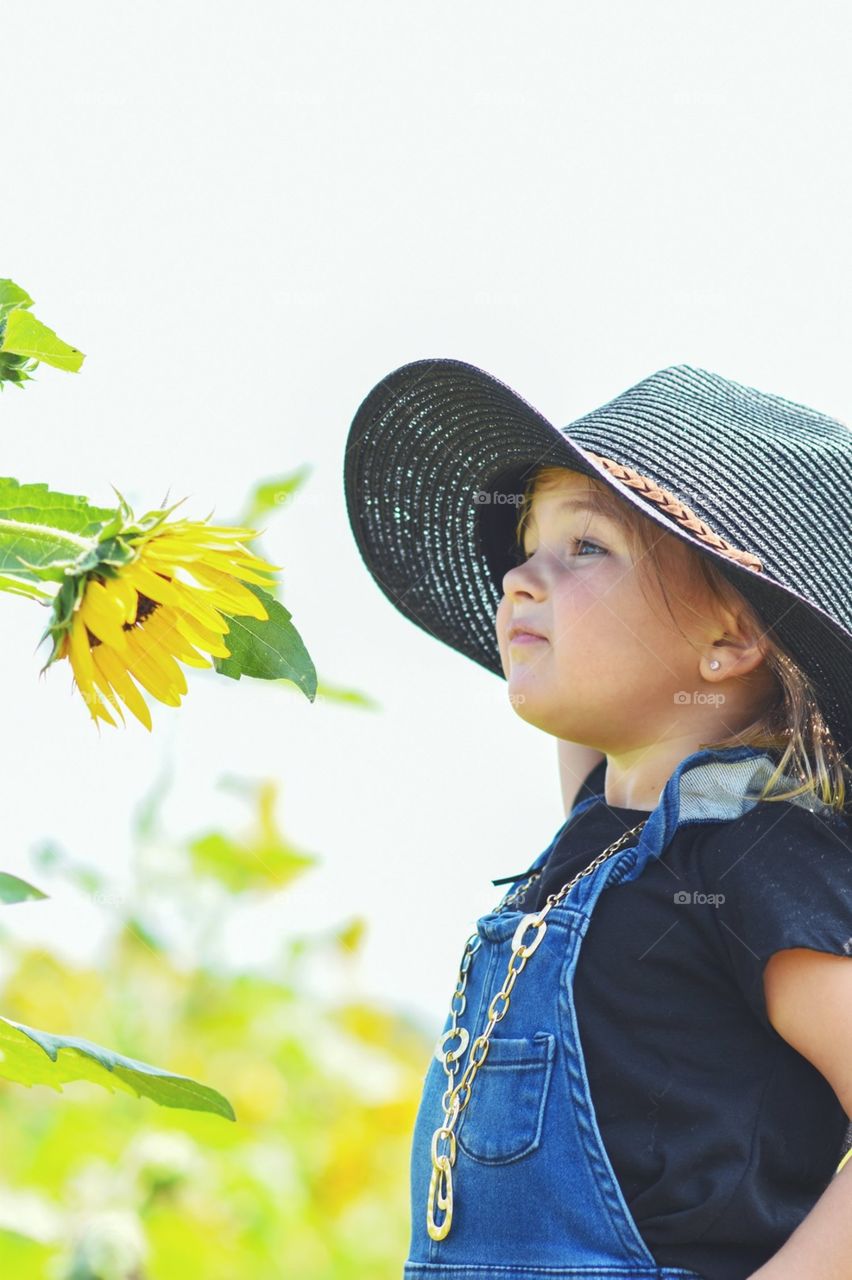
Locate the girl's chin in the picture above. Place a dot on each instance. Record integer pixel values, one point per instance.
(527, 670)
(528, 695)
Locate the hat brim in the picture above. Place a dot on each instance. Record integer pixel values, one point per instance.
(435, 435)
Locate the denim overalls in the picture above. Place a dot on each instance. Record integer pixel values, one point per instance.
(535, 1194)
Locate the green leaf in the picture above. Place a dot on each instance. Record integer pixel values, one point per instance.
(256, 864)
(12, 889)
(43, 531)
(24, 341)
(269, 649)
(264, 858)
(26, 336)
(11, 296)
(273, 494)
(32, 1057)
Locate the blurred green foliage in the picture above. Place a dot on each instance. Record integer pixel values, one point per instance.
(311, 1182)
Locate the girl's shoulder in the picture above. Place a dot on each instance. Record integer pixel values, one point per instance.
(775, 831)
(782, 877)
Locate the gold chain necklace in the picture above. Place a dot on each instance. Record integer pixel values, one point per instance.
(455, 1099)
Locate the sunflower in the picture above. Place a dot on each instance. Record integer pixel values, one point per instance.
(135, 616)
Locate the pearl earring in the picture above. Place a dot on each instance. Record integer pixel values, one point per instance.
(714, 664)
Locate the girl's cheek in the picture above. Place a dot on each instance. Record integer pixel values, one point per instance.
(574, 596)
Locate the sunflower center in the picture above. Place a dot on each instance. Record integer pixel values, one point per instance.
(144, 608)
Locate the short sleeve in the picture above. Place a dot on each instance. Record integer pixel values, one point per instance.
(785, 879)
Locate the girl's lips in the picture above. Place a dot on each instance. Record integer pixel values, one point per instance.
(526, 637)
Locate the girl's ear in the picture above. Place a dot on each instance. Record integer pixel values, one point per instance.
(733, 655)
(733, 642)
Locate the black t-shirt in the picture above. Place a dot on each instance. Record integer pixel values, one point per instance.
(721, 1135)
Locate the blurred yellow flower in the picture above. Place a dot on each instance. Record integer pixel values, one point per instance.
(135, 621)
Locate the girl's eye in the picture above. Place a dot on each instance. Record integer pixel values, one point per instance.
(584, 542)
(521, 556)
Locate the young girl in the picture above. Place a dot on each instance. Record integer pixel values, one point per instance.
(646, 1068)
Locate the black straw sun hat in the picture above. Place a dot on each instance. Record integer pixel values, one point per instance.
(439, 451)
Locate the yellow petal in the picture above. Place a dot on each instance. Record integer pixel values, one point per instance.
(219, 560)
(202, 547)
(201, 529)
(162, 626)
(177, 538)
(104, 684)
(112, 669)
(191, 600)
(99, 711)
(153, 585)
(183, 545)
(124, 593)
(226, 594)
(158, 654)
(80, 653)
(150, 675)
(81, 664)
(105, 601)
(198, 634)
(103, 619)
(231, 606)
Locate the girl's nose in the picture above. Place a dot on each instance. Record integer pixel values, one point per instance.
(522, 580)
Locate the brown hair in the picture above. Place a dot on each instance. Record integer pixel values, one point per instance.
(791, 728)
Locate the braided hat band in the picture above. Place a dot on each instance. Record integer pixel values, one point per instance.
(439, 454)
(683, 514)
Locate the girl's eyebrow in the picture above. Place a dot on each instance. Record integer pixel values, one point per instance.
(590, 502)
(585, 502)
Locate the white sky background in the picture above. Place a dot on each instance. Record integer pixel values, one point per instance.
(246, 216)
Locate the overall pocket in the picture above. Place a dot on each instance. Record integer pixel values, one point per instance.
(504, 1117)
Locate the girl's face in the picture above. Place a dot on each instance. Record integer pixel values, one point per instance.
(611, 670)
